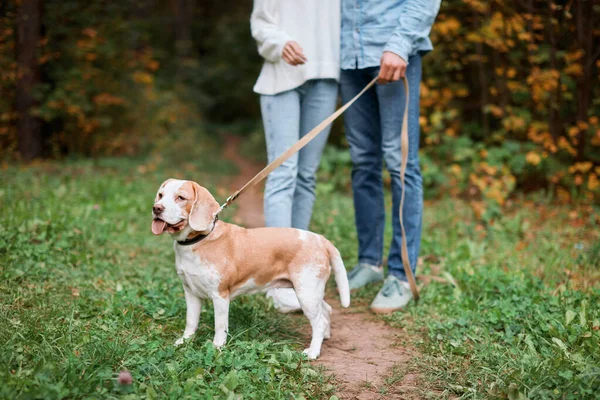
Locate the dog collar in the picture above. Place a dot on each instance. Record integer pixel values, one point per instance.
(199, 238)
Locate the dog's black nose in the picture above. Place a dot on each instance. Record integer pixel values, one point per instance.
(158, 209)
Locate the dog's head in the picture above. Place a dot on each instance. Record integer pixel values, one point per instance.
(181, 204)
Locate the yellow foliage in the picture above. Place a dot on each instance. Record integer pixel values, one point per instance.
(596, 139)
(574, 69)
(582, 125)
(496, 110)
(533, 158)
(462, 92)
(542, 82)
(514, 123)
(143, 77)
(574, 56)
(450, 26)
(582, 167)
(593, 182)
(495, 193)
(153, 65)
(488, 169)
(543, 138)
(573, 131)
(565, 145)
(456, 169)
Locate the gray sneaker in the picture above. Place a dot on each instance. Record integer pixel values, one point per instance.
(393, 296)
(363, 274)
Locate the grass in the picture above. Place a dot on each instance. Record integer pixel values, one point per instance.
(510, 309)
(87, 291)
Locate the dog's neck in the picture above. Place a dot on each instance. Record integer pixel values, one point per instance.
(188, 236)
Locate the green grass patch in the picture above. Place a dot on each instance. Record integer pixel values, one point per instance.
(87, 291)
(509, 309)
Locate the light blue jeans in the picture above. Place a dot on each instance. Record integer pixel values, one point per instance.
(287, 116)
(373, 125)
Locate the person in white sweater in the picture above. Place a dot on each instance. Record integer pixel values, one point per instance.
(298, 87)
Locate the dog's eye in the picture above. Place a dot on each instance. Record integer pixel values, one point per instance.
(160, 196)
(180, 198)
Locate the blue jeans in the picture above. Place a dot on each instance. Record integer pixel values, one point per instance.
(373, 126)
(287, 116)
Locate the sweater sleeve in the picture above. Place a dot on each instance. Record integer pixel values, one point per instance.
(269, 38)
(414, 24)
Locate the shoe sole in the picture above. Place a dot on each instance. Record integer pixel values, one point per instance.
(366, 284)
(385, 310)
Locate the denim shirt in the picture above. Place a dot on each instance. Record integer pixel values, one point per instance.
(370, 27)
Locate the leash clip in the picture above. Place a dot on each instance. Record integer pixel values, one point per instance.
(228, 201)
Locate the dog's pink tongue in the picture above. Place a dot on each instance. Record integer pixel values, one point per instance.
(158, 226)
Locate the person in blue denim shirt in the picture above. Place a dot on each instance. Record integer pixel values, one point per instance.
(384, 38)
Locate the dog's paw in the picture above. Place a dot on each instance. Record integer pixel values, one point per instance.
(179, 342)
(219, 341)
(312, 355)
(327, 332)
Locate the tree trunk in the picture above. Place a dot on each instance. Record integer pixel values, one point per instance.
(27, 44)
(483, 82)
(184, 13)
(553, 104)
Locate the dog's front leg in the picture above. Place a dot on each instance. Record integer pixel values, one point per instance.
(221, 321)
(192, 316)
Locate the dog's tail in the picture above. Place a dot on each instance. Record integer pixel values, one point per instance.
(339, 270)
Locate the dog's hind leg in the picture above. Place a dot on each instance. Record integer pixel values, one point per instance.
(192, 316)
(327, 312)
(310, 293)
(221, 321)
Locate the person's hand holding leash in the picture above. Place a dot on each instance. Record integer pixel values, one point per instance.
(393, 67)
(293, 54)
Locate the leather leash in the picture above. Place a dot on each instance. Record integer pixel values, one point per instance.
(310, 136)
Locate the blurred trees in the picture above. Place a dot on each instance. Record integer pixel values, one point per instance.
(29, 25)
(510, 96)
(113, 77)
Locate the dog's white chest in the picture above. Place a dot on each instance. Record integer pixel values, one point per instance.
(201, 277)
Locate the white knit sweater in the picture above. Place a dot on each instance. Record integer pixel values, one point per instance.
(313, 24)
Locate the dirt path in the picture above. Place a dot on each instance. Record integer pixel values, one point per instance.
(361, 354)
(249, 212)
(362, 349)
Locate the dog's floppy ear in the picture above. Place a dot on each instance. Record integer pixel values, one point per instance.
(203, 210)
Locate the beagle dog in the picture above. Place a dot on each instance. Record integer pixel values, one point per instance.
(219, 261)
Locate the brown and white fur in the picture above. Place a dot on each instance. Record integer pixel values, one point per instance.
(232, 261)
